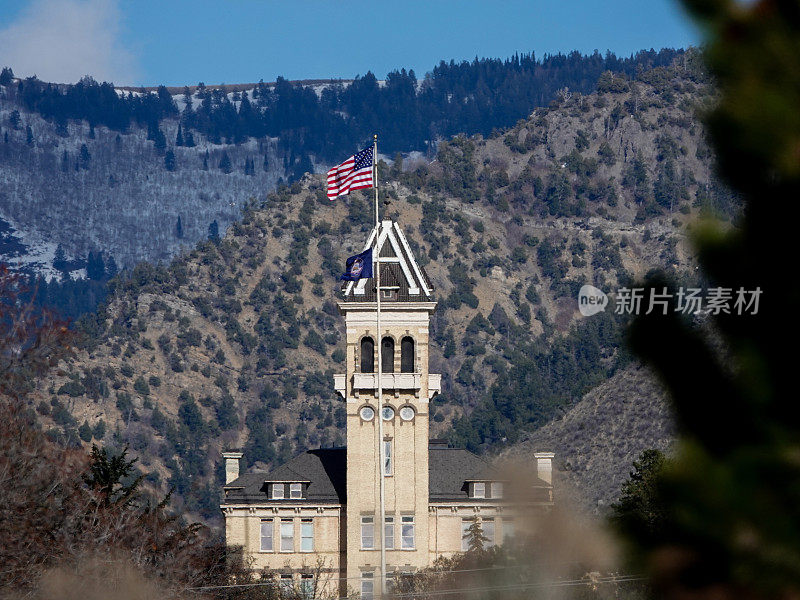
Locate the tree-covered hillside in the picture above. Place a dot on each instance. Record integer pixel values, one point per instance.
(234, 344)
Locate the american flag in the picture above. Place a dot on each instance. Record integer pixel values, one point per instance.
(353, 174)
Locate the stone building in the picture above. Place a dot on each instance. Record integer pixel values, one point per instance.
(315, 521)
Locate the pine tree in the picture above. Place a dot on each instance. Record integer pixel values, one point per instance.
(475, 538)
(213, 231)
(14, 119)
(60, 259)
(159, 141)
(265, 164)
(64, 161)
(6, 75)
(111, 268)
(91, 131)
(28, 135)
(179, 137)
(84, 157)
(169, 160)
(95, 266)
(189, 142)
(205, 161)
(179, 228)
(225, 163)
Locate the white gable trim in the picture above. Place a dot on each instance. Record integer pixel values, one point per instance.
(413, 260)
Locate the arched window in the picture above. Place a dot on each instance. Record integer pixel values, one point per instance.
(367, 355)
(407, 355)
(387, 355)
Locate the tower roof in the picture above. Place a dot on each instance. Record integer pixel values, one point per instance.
(399, 269)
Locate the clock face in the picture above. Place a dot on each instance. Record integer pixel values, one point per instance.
(388, 413)
(367, 413)
(406, 413)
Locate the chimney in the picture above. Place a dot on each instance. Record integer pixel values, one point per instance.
(231, 465)
(544, 466)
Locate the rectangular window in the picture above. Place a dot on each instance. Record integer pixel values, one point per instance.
(367, 533)
(387, 458)
(287, 535)
(479, 490)
(266, 535)
(508, 529)
(367, 586)
(465, 523)
(487, 526)
(306, 535)
(388, 533)
(497, 489)
(287, 586)
(307, 586)
(278, 491)
(295, 490)
(407, 532)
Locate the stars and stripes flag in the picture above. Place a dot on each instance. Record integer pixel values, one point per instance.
(353, 174)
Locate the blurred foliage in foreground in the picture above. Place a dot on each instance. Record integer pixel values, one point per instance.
(732, 496)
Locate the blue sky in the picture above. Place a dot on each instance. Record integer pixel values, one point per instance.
(177, 42)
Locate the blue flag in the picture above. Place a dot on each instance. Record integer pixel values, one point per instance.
(358, 266)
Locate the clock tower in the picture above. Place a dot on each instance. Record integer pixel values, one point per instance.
(406, 306)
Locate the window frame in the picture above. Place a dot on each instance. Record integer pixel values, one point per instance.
(270, 537)
(489, 531)
(407, 521)
(295, 487)
(367, 581)
(466, 522)
(404, 357)
(275, 488)
(363, 355)
(304, 524)
(387, 357)
(388, 459)
(388, 532)
(482, 485)
(287, 525)
(496, 489)
(307, 585)
(368, 521)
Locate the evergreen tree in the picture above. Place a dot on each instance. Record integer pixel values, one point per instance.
(111, 267)
(475, 538)
(113, 476)
(64, 161)
(14, 119)
(6, 75)
(189, 142)
(205, 162)
(169, 160)
(84, 157)
(28, 135)
(95, 267)
(213, 231)
(179, 228)
(179, 137)
(159, 140)
(91, 131)
(60, 259)
(225, 163)
(265, 164)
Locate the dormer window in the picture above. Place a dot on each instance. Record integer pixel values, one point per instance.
(278, 491)
(479, 489)
(295, 490)
(497, 489)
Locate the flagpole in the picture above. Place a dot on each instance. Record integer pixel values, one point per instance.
(381, 453)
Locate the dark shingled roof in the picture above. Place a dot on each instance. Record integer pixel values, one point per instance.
(325, 469)
(325, 472)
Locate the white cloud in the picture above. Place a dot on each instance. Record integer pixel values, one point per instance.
(63, 40)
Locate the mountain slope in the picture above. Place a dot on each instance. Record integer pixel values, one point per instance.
(597, 440)
(235, 343)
